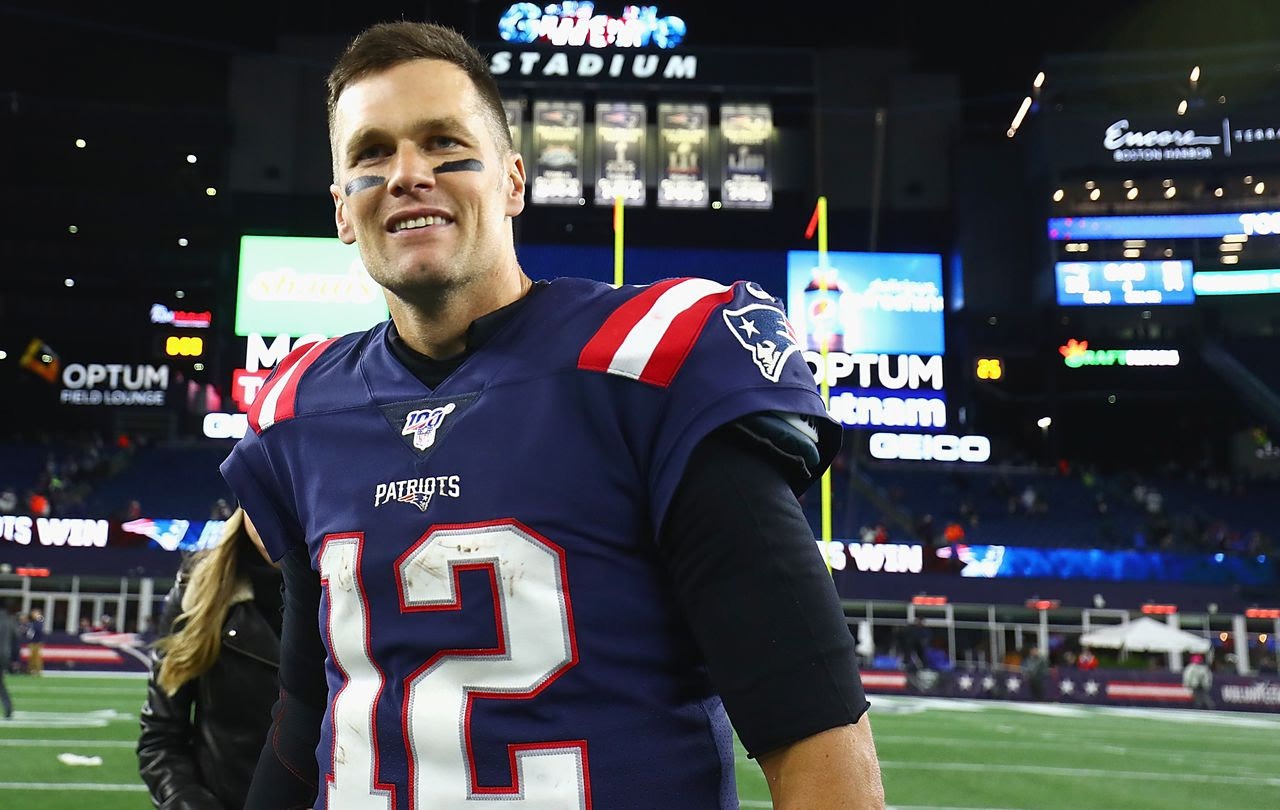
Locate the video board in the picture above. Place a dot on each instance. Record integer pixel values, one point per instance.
(1131, 283)
(880, 303)
(296, 285)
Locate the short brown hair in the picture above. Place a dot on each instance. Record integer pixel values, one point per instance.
(386, 45)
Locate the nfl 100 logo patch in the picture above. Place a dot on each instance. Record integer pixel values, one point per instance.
(422, 424)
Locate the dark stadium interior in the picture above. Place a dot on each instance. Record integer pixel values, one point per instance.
(1179, 460)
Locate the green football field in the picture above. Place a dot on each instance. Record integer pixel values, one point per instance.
(941, 754)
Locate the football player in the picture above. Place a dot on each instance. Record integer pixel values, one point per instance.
(549, 531)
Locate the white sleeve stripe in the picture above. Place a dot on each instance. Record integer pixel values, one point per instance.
(267, 416)
(643, 339)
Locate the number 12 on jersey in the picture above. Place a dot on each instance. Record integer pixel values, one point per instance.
(536, 644)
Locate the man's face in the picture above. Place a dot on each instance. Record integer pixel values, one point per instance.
(422, 184)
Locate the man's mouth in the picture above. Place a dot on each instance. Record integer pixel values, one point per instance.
(414, 223)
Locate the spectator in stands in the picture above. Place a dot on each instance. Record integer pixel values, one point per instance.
(35, 643)
(913, 642)
(221, 510)
(1197, 677)
(220, 657)
(38, 504)
(8, 637)
(1087, 660)
(1267, 663)
(1035, 667)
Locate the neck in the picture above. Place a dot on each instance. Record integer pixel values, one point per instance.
(437, 326)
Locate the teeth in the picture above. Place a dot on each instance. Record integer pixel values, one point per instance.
(420, 222)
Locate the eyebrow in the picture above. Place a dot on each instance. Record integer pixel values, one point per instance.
(364, 135)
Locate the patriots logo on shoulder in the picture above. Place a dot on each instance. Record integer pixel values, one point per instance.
(766, 333)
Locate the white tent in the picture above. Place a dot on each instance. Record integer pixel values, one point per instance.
(1145, 634)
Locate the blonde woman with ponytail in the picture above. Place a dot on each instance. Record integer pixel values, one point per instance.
(213, 677)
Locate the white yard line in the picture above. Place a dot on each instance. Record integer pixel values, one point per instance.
(96, 787)
(67, 743)
(1046, 770)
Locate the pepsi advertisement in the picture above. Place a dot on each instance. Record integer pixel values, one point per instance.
(874, 303)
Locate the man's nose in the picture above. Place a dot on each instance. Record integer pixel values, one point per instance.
(410, 170)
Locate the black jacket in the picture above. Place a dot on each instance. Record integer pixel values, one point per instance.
(198, 749)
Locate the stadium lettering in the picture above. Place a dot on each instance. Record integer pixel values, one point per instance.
(578, 25)
(1261, 224)
(893, 371)
(588, 65)
(71, 532)
(259, 355)
(1257, 693)
(930, 447)
(888, 411)
(16, 529)
(225, 425)
(893, 558)
(1118, 136)
(287, 284)
(115, 375)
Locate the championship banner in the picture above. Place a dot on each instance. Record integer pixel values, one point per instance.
(682, 151)
(557, 150)
(620, 146)
(514, 109)
(745, 134)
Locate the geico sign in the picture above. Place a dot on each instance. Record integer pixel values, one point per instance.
(225, 425)
(930, 447)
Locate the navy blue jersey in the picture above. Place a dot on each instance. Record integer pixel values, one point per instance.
(498, 623)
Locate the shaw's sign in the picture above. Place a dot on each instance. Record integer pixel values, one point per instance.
(578, 25)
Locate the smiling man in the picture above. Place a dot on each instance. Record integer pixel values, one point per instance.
(549, 531)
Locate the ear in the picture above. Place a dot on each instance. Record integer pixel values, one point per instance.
(346, 230)
(516, 179)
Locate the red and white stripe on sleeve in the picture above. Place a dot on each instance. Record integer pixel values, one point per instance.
(648, 337)
(276, 399)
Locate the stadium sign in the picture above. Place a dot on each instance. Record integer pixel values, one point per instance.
(929, 447)
(1256, 693)
(22, 529)
(855, 410)
(577, 25)
(225, 425)
(161, 314)
(259, 358)
(592, 65)
(113, 384)
(1130, 145)
(1076, 353)
(890, 558)
(910, 371)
